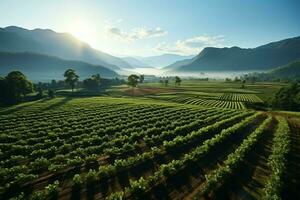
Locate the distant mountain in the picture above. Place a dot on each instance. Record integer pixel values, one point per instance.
(238, 59)
(163, 60)
(289, 71)
(63, 45)
(38, 67)
(179, 63)
(135, 62)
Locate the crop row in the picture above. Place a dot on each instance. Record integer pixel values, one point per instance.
(278, 160)
(221, 174)
(252, 98)
(165, 171)
(59, 147)
(207, 102)
(119, 164)
(79, 148)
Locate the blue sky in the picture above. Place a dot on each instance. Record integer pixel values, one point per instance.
(140, 27)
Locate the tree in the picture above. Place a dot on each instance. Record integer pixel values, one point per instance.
(53, 84)
(40, 92)
(133, 80)
(177, 81)
(14, 87)
(71, 78)
(243, 84)
(142, 78)
(93, 82)
(166, 82)
(51, 93)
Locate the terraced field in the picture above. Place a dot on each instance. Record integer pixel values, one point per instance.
(129, 148)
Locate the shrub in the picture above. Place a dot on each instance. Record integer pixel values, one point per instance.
(77, 182)
(52, 190)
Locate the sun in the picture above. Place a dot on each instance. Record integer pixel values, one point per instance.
(83, 30)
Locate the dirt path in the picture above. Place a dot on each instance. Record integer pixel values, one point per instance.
(292, 182)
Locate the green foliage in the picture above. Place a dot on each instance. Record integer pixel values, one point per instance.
(51, 93)
(70, 139)
(71, 78)
(91, 177)
(14, 87)
(133, 80)
(77, 182)
(52, 190)
(138, 187)
(288, 98)
(93, 82)
(141, 78)
(177, 80)
(39, 164)
(278, 160)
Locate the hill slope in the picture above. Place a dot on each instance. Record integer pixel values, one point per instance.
(289, 71)
(238, 59)
(38, 67)
(64, 45)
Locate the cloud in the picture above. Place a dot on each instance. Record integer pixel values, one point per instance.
(136, 33)
(191, 45)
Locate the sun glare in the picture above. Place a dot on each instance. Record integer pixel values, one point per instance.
(82, 30)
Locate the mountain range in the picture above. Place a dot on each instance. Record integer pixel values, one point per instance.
(240, 59)
(43, 52)
(63, 45)
(38, 67)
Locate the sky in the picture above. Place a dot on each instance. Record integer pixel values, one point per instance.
(146, 28)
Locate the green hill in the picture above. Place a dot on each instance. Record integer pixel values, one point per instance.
(289, 71)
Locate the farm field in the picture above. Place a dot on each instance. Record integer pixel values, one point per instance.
(180, 145)
(156, 100)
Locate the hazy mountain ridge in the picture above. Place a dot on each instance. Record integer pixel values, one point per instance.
(162, 60)
(39, 67)
(135, 62)
(241, 59)
(64, 45)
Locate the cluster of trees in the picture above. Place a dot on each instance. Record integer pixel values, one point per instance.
(287, 98)
(14, 87)
(165, 82)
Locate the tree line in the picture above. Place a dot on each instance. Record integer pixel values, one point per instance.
(15, 86)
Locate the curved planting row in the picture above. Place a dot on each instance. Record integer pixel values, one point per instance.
(251, 98)
(206, 102)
